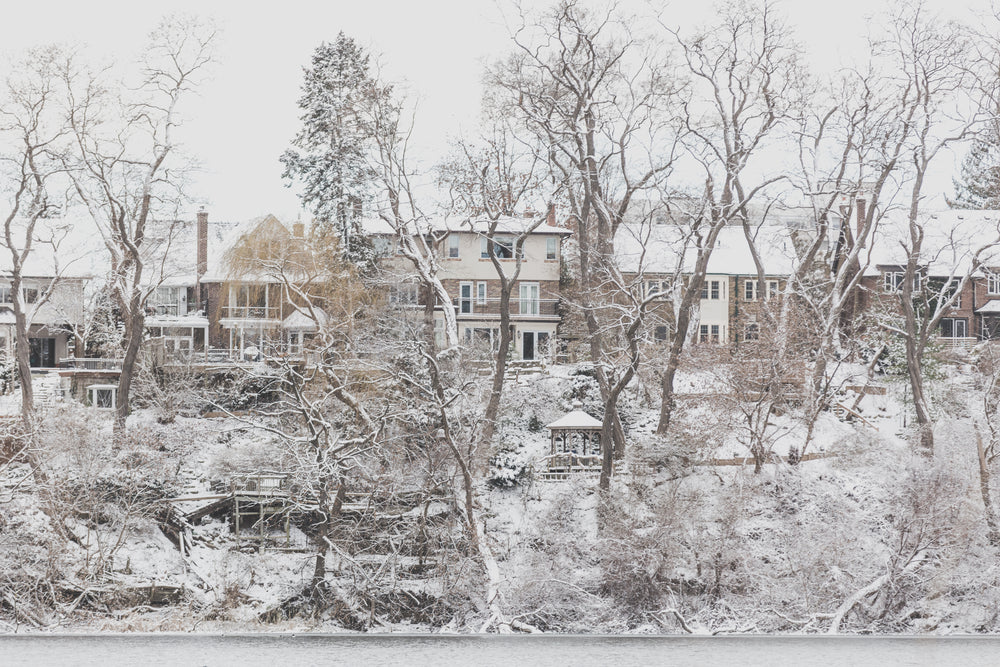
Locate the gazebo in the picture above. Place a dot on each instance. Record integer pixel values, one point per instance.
(575, 442)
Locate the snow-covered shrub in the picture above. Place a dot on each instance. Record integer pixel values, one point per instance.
(507, 469)
(8, 375)
(534, 424)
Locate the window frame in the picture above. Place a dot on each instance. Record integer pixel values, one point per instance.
(551, 248)
(454, 246)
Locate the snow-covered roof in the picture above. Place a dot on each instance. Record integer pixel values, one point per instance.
(951, 239)
(990, 307)
(302, 321)
(68, 245)
(661, 249)
(7, 317)
(505, 225)
(578, 419)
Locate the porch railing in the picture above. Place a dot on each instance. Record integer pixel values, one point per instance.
(251, 312)
(519, 308)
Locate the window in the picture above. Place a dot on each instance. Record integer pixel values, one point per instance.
(709, 333)
(382, 246)
(752, 332)
(249, 301)
(481, 293)
(893, 281)
(752, 293)
(657, 289)
(465, 298)
(551, 247)
(30, 294)
(993, 283)
(503, 246)
(712, 289)
(5, 295)
(529, 299)
(167, 300)
(404, 293)
(954, 327)
(453, 246)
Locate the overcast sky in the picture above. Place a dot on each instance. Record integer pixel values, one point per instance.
(246, 114)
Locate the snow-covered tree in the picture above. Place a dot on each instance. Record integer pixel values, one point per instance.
(978, 184)
(330, 152)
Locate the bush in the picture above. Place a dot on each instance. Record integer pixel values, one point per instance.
(507, 469)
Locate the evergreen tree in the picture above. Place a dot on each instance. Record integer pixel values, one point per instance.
(978, 186)
(330, 154)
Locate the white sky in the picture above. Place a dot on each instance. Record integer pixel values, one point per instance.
(246, 114)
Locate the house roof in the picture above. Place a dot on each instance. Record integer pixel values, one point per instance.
(951, 239)
(505, 225)
(300, 320)
(990, 307)
(661, 249)
(577, 419)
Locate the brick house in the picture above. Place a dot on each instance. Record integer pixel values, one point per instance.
(731, 295)
(952, 238)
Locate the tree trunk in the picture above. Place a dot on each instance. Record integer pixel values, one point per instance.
(992, 529)
(500, 368)
(921, 406)
(135, 331)
(22, 351)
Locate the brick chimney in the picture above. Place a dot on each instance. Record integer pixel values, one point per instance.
(861, 214)
(202, 239)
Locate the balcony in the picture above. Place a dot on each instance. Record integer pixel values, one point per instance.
(251, 313)
(520, 309)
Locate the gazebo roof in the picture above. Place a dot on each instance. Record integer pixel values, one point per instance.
(578, 419)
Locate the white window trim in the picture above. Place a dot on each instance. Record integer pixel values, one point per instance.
(482, 293)
(993, 283)
(454, 247)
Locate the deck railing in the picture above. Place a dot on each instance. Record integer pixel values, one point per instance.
(91, 364)
(963, 344)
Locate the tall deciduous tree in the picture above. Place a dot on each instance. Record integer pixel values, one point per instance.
(33, 126)
(126, 171)
(602, 103)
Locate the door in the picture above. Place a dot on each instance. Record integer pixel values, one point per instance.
(43, 352)
(528, 345)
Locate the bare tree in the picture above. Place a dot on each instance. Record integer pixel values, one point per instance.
(128, 176)
(489, 180)
(602, 103)
(744, 69)
(932, 60)
(34, 128)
